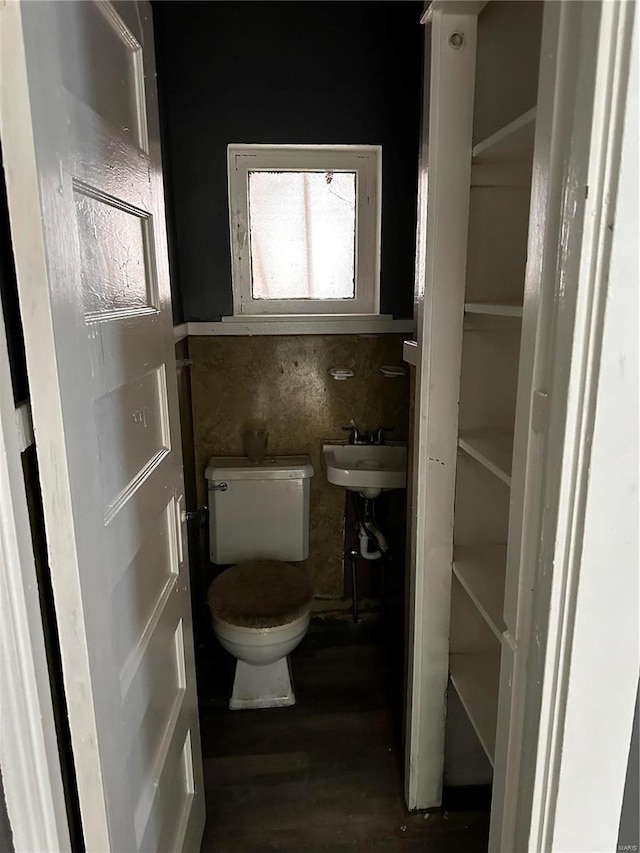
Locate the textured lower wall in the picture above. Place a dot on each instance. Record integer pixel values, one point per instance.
(284, 381)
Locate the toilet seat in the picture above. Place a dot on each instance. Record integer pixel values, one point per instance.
(260, 594)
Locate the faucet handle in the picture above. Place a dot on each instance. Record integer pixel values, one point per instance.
(379, 434)
(354, 438)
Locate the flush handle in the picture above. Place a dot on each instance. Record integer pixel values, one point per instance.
(219, 487)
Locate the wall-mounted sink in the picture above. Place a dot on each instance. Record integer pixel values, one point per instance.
(366, 468)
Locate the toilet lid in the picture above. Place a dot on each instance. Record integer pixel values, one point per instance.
(261, 594)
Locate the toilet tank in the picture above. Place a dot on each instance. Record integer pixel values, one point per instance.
(258, 511)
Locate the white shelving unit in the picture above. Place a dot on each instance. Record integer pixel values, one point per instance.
(494, 309)
(504, 158)
(513, 143)
(470, 599)
(497, 168)
(490, 448)
(504, 124)
(481, 572)
(476, 677)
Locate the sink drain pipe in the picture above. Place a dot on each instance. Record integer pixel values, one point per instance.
(369, 536)
(370, 533)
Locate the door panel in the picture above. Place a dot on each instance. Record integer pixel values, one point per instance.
(103, 66)
(126, 286)
(80, 133)
(133, 437)
(144, 580)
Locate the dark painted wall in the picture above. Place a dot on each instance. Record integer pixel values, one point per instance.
(283, 72)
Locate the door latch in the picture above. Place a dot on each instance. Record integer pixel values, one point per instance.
(197, 518)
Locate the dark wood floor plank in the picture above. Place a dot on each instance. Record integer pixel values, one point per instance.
(325, 774)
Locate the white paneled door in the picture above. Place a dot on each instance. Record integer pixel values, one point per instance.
(82, 158)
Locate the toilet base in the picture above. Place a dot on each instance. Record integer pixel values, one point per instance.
(267, 686)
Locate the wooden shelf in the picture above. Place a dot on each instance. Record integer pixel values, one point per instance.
(513, 143)
(476, 679)
(481, 571)
(495, 309)
(490, 448)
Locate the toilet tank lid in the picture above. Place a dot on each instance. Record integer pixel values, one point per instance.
(272, 468)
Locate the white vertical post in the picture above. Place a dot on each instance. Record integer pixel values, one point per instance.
(440, 308)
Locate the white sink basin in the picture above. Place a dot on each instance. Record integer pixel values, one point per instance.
(366, 468)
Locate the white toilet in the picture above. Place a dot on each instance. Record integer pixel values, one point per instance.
(260, 608)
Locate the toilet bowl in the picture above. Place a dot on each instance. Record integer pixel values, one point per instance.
(260, 607)
(263, 675)
(261, 646)
(260, 611)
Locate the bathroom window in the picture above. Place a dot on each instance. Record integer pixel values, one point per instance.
(305, 228)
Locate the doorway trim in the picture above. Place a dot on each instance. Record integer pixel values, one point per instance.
(29, 755)
(579, 699)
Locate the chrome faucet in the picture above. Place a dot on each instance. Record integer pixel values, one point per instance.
(359, 437)
(356, 436)
(378, 437)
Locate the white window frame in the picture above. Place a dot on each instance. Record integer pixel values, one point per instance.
(366, 162)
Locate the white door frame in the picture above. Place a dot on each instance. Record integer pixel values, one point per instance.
(578, 701)
(29, 754)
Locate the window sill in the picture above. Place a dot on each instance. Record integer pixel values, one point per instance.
(300, 324)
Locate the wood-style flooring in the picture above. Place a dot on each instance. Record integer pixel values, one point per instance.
(325, 774)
